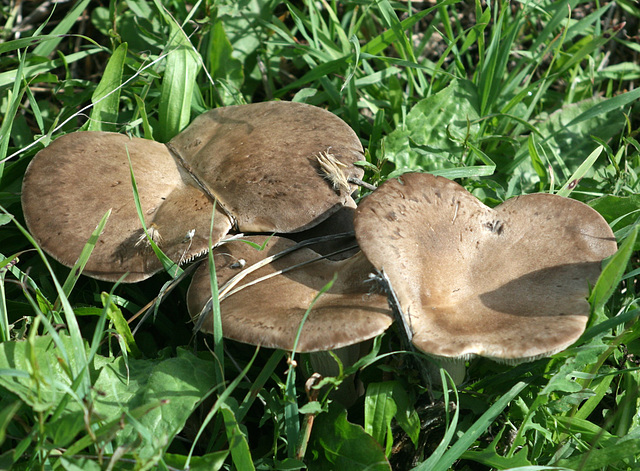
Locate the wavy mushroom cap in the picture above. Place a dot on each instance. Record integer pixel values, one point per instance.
(269, 313)
(509, 283)
(275, 166)
(72, 183)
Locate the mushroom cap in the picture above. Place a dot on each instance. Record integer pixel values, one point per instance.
(72, 183)
(261, 162)
(269, 312)
(507, 283)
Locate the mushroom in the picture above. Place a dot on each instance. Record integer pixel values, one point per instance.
(274, 167)
(508, 283)
(72, 183)
(269, 312)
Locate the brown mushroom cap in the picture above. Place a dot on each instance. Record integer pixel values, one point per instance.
(73, 182)
(269, 312)
(261, 162)
(507, 283)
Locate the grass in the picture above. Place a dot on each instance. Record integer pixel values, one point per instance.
(508, 98)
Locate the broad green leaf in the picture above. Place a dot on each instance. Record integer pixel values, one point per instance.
(339, 444)
(181, 69)
(106, 98)
(384, 402)
(577, 359)
(568, 138)
(172, 388)
(433, 136)
(406, 415)
(619, 211)
(614, 208)
(379, 410)
(223, 67)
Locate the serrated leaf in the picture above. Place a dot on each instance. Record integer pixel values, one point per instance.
(490, 457)
(602, 458)
(432, 137)
(568, 138)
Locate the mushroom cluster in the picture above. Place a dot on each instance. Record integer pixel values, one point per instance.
(261, 168)
(509, 283)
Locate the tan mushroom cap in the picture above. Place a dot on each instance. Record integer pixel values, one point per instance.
(269, 312)
(261, 162)
(73, 182)
(507, 283)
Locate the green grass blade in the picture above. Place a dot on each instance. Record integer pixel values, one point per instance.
(120, 324)
(80, 372)
(169, 265)
(611, 104)
(78, 267)
(436, 457)
(218, 404)
(14, 99)
(218, 340)
(471, 435)
(45, 48)
(580, 172)
(10, 77)
(292, 418)
(612, 272)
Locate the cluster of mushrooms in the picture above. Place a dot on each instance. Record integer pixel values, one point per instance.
(508, 283)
